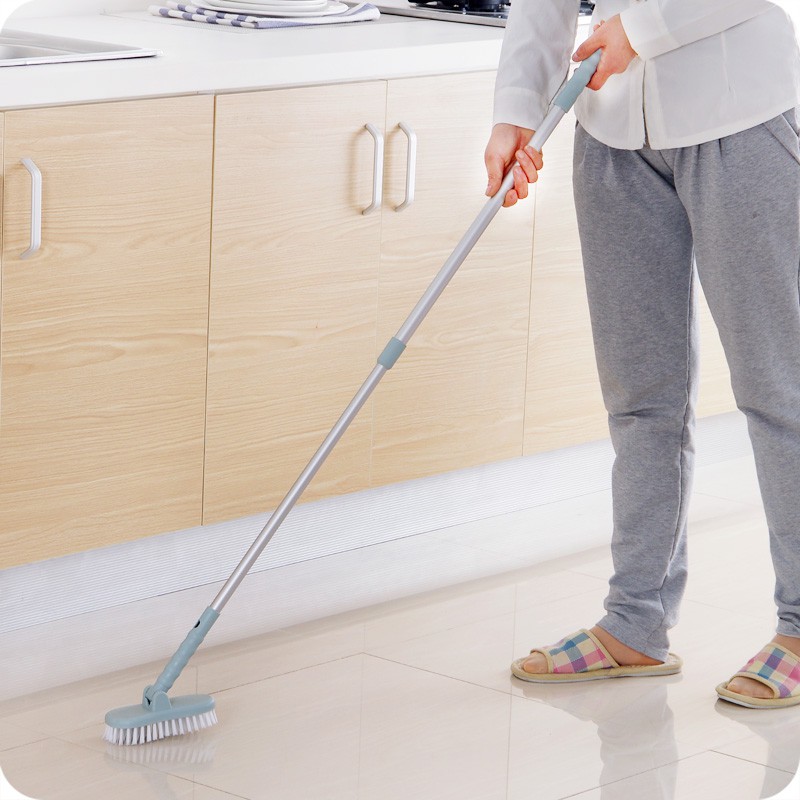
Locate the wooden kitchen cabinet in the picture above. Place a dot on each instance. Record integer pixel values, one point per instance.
(103, 339)
(456, 398)
(715, 392)
(306, 290)
(563, 401)
(174, 353)
(293, 292)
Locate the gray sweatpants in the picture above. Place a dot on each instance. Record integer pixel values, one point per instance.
(733, 207)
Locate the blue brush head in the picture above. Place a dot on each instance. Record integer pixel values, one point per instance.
(164, 716)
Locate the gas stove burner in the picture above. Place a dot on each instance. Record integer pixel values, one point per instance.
(477, 12)
(465, 6)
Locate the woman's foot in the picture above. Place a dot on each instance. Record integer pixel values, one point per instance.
(626, 657)
(751, 688)
(536, 663)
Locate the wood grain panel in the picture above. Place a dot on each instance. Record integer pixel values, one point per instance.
(293, 294)
(563, 403)
(456, 398)
(104, 331)
(715, 392)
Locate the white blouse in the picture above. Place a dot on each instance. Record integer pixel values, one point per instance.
(705, 69)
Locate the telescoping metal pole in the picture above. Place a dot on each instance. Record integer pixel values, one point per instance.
(387, 359)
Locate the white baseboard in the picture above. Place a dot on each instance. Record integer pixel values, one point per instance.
(86, 582)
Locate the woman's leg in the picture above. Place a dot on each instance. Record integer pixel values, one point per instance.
(637, 252)
(743, 198)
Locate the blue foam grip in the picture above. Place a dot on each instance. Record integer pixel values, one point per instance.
(577, 83)
(392, 351)
(185, 652)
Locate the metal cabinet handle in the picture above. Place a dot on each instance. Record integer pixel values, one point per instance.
(411, 166)
(377, 173)
(36, 207)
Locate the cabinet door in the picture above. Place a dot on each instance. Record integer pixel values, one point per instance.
(563, 403)
(456, 398)
(293, 292)
(103, 344)
(715, 392)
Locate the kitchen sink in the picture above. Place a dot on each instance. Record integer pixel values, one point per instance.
(18, 48)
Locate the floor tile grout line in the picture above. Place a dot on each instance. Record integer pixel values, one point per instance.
(398, 642)
(283, 674)
(739, 501)
(600, 786)
(213, 788)
(754, 617)
(667, 764)
(487, 619)
(364, 651)
(750, 761)
(18, 726)
(454, 678)
(41, 738)
(571, 596)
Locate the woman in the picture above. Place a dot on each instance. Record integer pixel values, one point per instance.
(690, 153)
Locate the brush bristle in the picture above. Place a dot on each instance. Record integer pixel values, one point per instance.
(160, 730)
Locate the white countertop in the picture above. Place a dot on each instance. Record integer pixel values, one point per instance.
(205, 59)
(200, 59)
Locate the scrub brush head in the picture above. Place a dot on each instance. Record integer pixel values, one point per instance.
(158, 718)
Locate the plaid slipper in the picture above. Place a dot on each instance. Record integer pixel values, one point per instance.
(774, 666)
(582, 657)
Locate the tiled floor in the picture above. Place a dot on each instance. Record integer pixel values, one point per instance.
(412, 699)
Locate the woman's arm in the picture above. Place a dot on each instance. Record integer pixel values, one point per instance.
(538, 41)
(534, 62)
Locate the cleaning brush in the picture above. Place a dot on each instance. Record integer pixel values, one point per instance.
(158, 716)
(180, 718)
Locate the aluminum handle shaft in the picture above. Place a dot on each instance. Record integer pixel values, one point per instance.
(299, 487)
(386, 361)
(406, 331)
(563, 103)
(470, 238)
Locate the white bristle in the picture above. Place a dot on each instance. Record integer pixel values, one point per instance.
(160, 730)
